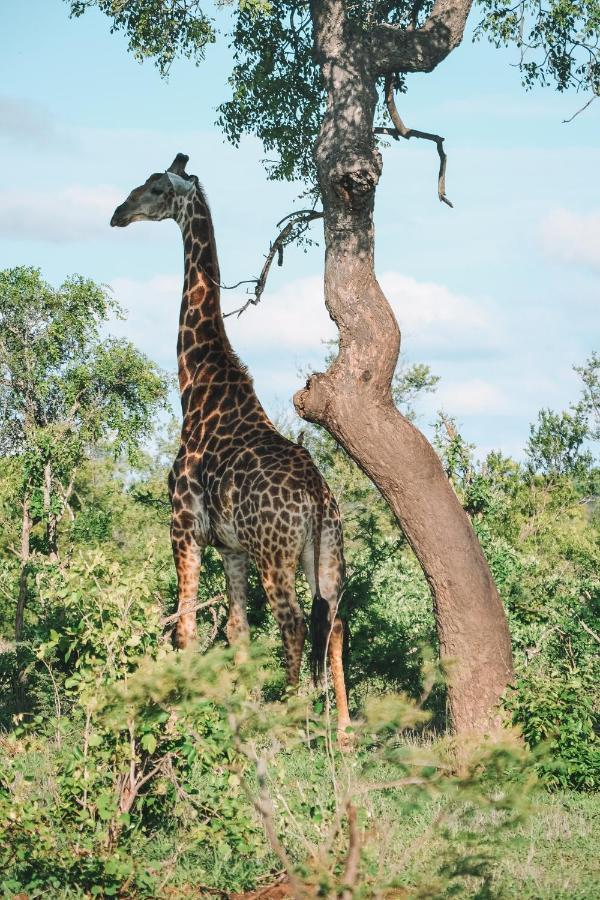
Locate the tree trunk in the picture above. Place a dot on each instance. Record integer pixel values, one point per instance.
(19, 679)
(51, 519)
(353, 399)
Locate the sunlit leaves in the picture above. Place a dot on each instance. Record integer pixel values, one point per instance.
(276, 87)
(64, 389)
(157, 29)
(558, 40)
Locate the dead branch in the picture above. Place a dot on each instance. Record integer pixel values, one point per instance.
(297, 225)
(582, 109)
(401, 131)
(531, 652)
(215, 626)
(353, 857)
(263, 804)
(391, 785)
(589, 630)
(170, 620)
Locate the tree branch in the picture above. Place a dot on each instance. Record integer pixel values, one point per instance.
(589, 630)
(170, 620)
(400, 130)
(398, 49)
(353, 856)
(297, 220)
(582, 109)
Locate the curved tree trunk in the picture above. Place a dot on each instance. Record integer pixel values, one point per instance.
(353, 399)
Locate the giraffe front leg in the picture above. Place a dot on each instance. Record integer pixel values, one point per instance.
(187, 553)
(236, 577)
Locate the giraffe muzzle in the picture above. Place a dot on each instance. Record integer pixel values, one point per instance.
(120, 217)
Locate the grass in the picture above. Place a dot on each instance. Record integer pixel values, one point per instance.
(551, 853)
(416, 842)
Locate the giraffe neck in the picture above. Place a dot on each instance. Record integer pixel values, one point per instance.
(201, 331)
(212, 380)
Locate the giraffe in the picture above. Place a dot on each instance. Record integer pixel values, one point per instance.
(237, 484)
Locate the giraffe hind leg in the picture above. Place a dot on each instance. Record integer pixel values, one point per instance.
(235, 565)
(327, 627)
(279, 585)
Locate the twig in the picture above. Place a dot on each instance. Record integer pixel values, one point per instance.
(401, 131)
(353, 857)
(57, 704)
(86, 745)
(215, 628)
(170, 620)
(263, 804)
(530, 652)
(589, 630)
(297, 220)
(579, 111)
(390, 785)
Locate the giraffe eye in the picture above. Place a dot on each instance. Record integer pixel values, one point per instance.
(155, 190)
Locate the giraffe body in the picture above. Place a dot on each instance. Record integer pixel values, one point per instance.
(236, 483)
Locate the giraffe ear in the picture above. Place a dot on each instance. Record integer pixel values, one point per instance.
(178, 165)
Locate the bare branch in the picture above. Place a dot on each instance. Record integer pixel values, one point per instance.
(170, 620)
(531, 652)
(400, 130)
(587, 628)
(399, 49)
(297, 225)
(353, 857)
(263, 805)
(582, 109)
(389, 785)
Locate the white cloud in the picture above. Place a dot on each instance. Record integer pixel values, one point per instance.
(472, 396)
(573, 237)
(436, 321)
(25, 122)
(152, 308)
(73, 213)
(293, 320)
(433, 319)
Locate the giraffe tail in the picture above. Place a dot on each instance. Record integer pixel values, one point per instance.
(319, 614)
(319, 635)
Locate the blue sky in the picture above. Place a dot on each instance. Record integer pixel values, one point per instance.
(499, 295)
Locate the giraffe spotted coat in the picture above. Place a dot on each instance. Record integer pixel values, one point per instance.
(237, 484)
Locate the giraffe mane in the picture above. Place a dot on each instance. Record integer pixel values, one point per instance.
(230, 351)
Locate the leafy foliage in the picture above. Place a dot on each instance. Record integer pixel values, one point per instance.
(277, 93)
(157, 29)
(557, 40)
(135, 770)
(63, 389)
(555, 446)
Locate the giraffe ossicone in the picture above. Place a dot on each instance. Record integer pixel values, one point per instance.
(236, 483)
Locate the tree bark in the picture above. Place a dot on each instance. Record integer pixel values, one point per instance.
(19, 679)
(353, 399)
(51, 519)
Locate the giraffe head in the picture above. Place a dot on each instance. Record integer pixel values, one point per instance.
(160, 197)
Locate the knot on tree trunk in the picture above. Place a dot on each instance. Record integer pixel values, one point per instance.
(355, 182)
(312, 401)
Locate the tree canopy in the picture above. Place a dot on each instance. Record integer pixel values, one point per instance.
(64, 388)
(277, 92)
